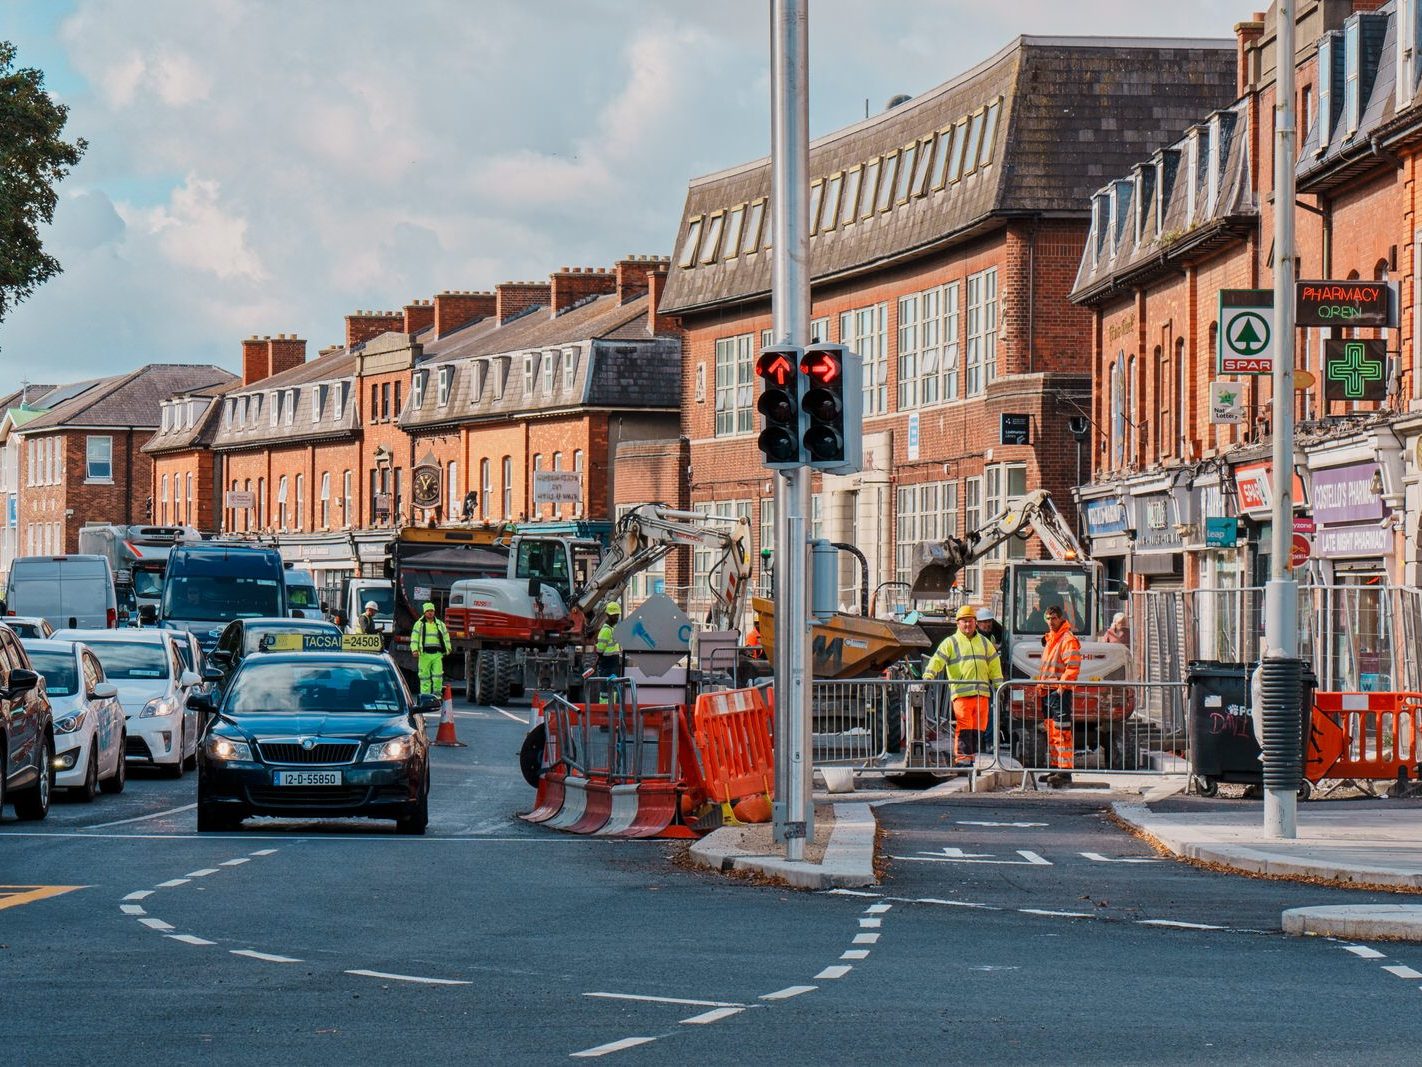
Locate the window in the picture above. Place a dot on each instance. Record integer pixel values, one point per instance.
(261, 503)
(163, 500)
(819, 329)
(871, 187)
(281, 502)
(693, 239)
(338, 394)
(325, 500)
(167, 417)
(982, 330)
(849, 206)
(922, 168)
(300, 515)
(1004, 481)
(704, 560)
(319, 401)
(486, 488)
(1182, 398)
(188, 510)
(906, 171)
(908, 352)
(417, 388)
(865, 332)
(578, 466)
(975, 142)
(275, 408)
(960, 143)
(989, 132)
(498, 370)
(1352, 72)
(570, 364)
(446, 379)
(940, 164)
(734, 222)
(711, 243)
(99, 459)
(886, 182)
(830, 214)
(385, 401)
(452, 501)
(374, 403)
(817, 193)
(397, 399)
(347, 498)
(971, 578)
(754, 216)
(290, 406)
(530, 372)
(550, 371)
(925, 512)
(928, 346)
(735, 385)
(508, 487)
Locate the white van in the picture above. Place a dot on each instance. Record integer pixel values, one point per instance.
(302, 600)
(66, 591)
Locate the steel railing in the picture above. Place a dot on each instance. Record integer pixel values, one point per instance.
(619, 740)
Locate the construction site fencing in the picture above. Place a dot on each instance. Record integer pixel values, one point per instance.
(619, 740)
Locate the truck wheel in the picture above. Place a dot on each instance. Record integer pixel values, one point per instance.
(503, 675)
(894, 727)
(469, 688)
(485, 678)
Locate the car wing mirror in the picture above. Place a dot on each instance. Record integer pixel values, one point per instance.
(21, 682)
(103, 691)
(220, 655)
(188, 679)
(211, 674)
(427, 702)
(201, 702)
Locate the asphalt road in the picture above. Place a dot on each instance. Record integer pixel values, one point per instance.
(126, 937)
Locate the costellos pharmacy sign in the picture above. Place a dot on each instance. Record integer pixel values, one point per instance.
(1348, 494)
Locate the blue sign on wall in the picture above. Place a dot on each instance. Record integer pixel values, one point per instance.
(1106, 516)
(1221, 531)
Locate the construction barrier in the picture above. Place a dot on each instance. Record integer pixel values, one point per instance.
(1365, 737)
(734, 732)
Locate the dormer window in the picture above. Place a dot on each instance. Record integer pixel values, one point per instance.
(570, 363)
(446, 377)
(1144, 196)
(167, 417)
(275, 407)
(530, 372)
(318, 403)
(1328, 56)
(1352, 73)
(417, 388)
(550, 371)
(338, 397)
(290, 406)
(1192, 169)
(498, 370)
(1100, 208)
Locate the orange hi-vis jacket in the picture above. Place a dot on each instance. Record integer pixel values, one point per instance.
(1061, 662)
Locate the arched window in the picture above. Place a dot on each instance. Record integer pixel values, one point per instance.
(262, 509)
(347, 499)
(281, 502)
(508, 487)
(1182, 399)
(486, 489)
(325, 500)
(163, 501)
(188, 510)
(299, 514)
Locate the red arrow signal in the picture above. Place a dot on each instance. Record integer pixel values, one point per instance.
(775, 366)
(821, 366)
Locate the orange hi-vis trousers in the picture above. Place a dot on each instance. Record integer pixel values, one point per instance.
(971, 715)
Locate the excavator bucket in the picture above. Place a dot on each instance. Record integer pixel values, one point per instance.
(936, 567)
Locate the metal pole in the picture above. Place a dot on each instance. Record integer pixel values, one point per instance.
(1281, 594)
(790, 307)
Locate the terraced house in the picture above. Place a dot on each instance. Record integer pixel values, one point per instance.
(946, 235)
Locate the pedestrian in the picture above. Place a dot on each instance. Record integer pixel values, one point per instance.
(609, 652)
(970, 663)
(989, 627)
(365, 621)
(1119, 632)
(1061, 665)
(429, 641)
(339, 621)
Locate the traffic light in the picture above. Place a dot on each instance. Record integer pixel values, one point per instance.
(778, 368)
(833, 405)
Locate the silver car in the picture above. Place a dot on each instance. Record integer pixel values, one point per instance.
(89, 734)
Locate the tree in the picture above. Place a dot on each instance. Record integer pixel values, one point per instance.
(33, 160)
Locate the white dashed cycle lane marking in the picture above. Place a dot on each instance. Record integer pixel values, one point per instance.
(1397, 970)
(868, 930)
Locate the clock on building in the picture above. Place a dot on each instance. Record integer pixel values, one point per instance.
(426, 486)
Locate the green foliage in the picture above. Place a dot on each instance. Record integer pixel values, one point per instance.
(33, 160)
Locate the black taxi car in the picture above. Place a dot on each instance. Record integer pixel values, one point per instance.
(319, 732)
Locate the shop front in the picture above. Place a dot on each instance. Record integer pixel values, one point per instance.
(1158, 560)
(1254, 491)
(1108, 527)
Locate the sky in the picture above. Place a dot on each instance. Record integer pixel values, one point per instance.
(269, 166)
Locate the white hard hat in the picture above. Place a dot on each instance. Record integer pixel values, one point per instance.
(1119, 617)
(985, 615)
(371, 605)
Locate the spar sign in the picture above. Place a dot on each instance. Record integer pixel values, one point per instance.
(1246, 338)
(1346, 303)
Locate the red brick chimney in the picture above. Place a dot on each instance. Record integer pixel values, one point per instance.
(255, 360)
(419, 315)
(512, 298)
(1247, 35)
(285, 351)
(658, 323)
(459, 307)
(361, 326)
(632, 275)
(572, 284)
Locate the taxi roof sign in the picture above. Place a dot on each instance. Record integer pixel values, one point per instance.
(322, 642)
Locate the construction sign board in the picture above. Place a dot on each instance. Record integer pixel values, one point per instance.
(1246, 336)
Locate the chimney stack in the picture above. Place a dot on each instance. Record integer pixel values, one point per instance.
(254, 360)
(361, 326)
(657, 323)
(1247, 35)
(570, 285)
(454, 308)
(285, 351)
(632, 275)
(419, 315)
(511, 299)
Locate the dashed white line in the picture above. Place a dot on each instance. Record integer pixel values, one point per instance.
(866, 939)
(516, 718)
(854, 954)
(715, 1015)
(155, 924)
(877, 909)
(851, 893)
(202, 873)
(139, 894)
(870, 924)
(837, 971)
(611, 1046)
(234, 863)
(955, 903)
(409, 978)
(189, 939)
(1176, 924)
(1403, 971)
(264, 956)
(667, 1000)
(172, 883)
(1365, 953)
(140, 818)
(788, 992)
(264, 852)
(1056, 914)
(132, 909)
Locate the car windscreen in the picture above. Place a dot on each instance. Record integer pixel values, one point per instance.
(220, 598)
(147, 583)
(61, 673)
(25, 629)
(302, 596)
(252, 636)
(317, 686)
(130, 660)
(384, 600)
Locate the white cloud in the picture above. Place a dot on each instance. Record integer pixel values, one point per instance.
(195, 230)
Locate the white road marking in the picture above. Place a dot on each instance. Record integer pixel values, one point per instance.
(839, 970)
(140, 818)
(871, 924)
(877, 909)
(611, 1046)
(1098, 858)
(202, 873)
(510, 715)
(851, 893)
(189, 939)
(264, 852)
(1057, 914)
(1403, 971)
(132, 909)
(974, 822)
(172, 883)
(234, 863)
(155, 924)
(1365, 952)
(865, 939)
(410, 978)
(789, 991)
(139, 894)
(667, 1000)
(957, 855)
(715, 1015)
(349, 839)
(955, 903)
(855, 954)
(1177, 925)
(265, 956)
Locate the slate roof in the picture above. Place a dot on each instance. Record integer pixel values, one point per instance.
(181, 436)
(128, 401)
(1071, 113)
(335, 367)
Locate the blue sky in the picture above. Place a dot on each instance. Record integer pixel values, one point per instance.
(267, 166)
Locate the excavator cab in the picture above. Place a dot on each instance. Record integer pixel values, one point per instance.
(1030, 588)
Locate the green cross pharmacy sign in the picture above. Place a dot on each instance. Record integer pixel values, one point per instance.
(1354, 370)
(1246, 337)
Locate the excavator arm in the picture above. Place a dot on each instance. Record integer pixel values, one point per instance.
(937, 563)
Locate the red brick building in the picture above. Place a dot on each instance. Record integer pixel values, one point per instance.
(186, 489)
(946, 236)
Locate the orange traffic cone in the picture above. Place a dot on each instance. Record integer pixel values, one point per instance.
(445, 735)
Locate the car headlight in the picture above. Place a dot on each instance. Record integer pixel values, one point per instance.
(398, 748)
(158, 706)
(70, 723)
(224, 748)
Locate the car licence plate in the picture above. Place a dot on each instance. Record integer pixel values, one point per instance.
(308, 777)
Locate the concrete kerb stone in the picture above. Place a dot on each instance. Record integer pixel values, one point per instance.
(1393, 922)
(848, 860)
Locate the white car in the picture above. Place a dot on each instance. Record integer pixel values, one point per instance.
(153, 686)
(89, 732)
(27, 626)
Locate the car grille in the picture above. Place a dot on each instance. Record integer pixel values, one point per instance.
(322, 752)
(333, 797)
(137, 746)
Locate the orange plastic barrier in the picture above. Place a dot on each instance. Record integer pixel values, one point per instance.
(734, 734)
(1364, 736)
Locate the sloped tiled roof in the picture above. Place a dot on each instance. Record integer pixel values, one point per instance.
(1071, 112)
(257, 430)
(129, 401)
(180, 435)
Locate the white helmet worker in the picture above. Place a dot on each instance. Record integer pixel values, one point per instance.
(371, 605)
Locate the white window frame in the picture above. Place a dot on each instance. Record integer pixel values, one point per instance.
(735, 385)
(417, 388)
(446, 379)
(570, 366)
(550, 372)
(981, 361)
(486, 486)
(325, 500)
(865, 330)
(106, 449)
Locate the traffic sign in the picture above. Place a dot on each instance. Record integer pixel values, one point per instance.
(1246, 334)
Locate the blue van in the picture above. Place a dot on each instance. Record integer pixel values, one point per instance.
(209, 584)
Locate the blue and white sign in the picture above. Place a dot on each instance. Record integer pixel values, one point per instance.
(1106, 516)
(913, 435)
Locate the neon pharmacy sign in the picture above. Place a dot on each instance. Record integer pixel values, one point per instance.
(1344, 303)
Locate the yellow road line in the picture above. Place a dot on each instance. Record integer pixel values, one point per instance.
(12, 896)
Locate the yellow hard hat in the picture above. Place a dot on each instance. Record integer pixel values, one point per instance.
(966, 612)
(613, 608)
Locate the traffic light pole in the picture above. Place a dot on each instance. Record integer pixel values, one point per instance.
(790, 308)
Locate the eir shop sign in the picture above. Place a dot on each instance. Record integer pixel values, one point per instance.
(1345, 303)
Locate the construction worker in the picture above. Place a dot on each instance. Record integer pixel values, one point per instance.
(753, 646)
(365, 621)
(429, 641)
(609, 652)
(970, 663)
(1061, 665)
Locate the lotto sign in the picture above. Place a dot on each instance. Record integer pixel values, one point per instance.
(1354, 370)
(1226, 403)
(1246, 338)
